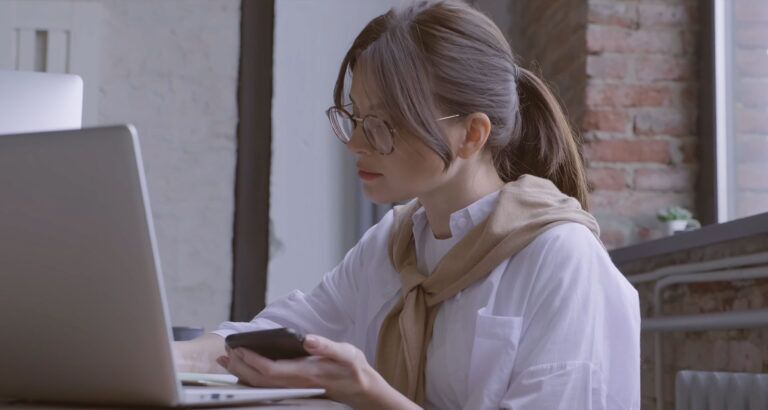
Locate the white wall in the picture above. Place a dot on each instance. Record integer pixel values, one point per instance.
(313, 200)
(170, 67)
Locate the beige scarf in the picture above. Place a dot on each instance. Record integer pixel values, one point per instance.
(526, 208)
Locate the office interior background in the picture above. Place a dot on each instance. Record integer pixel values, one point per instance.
(669, 96)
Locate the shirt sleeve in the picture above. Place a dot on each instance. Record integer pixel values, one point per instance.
(327, 310)
(580, 343)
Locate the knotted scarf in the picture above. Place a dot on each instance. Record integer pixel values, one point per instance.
(525, 208)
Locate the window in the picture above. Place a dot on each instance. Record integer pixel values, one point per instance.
(741, 107)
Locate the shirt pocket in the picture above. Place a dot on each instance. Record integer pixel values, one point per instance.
(494, 349)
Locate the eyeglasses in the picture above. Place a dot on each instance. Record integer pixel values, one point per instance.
(377, 131)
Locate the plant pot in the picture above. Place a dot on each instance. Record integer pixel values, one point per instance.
(676, 225)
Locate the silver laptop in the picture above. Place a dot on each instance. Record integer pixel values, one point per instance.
(83, 315)
(34, 102)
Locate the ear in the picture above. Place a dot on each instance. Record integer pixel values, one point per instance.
(478, 128)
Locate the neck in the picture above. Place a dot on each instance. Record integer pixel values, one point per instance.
(457, 193)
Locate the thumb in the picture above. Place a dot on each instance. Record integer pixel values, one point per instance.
(320, 346)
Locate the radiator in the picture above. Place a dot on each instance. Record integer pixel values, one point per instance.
(695, 390)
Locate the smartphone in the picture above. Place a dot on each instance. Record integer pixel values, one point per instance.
(276, 344)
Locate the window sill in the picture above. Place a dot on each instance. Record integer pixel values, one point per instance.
(703, 237)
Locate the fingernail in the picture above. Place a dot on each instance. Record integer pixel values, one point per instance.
(311, 342)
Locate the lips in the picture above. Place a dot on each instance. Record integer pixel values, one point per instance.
(367, 175)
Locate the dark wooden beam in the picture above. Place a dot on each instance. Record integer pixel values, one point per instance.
(254, 151)
(706, 184)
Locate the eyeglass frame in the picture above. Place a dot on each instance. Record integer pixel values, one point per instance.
(368, 138)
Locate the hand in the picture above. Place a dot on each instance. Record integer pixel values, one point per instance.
(199, 355)
(340, 368)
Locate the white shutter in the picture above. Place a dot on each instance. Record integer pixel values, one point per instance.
(55, 36)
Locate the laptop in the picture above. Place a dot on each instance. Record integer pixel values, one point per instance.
(83, 313)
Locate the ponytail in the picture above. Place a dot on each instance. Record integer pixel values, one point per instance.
(543, 143)
(445, 55)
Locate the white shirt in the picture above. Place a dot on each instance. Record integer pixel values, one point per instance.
(556, 326)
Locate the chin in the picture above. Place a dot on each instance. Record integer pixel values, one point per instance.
(382, 196)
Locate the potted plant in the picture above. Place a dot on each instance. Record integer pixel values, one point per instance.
(677, 219)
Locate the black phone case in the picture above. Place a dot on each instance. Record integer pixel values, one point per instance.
(275, 344)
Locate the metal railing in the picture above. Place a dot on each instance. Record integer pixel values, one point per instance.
(720, 270)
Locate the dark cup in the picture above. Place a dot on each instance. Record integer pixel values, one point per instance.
(181, 333)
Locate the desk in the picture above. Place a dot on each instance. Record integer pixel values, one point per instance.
(280, 405)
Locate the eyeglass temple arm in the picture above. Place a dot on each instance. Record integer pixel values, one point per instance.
(448, 117)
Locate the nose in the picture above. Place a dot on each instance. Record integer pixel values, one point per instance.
(358, 144)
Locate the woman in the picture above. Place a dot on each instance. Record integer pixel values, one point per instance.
(491, 288)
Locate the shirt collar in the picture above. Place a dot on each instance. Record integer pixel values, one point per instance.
(464, 219)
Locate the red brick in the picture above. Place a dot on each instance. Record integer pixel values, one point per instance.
(644, 233)
(752, 176)
(607, 66)
(664, 122)
(636, 204)
(620, 95)
(752, 63)
(753, 93)
(622, 40)
(612, 238)
(606, 120)
(751, 10)
(752, 120)
(745, 356)
(663, 67)
(628, 151)
(710, 289)
(607, 179)
(613, 14)
(654, 15)
(670, 179)
(752, 36)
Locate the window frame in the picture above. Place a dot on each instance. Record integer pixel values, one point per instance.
(707, 186)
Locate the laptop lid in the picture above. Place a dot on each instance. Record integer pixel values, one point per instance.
(83, 315)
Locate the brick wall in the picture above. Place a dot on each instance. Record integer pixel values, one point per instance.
(639, 125)
(750, 95)
(626, 72)
(742, 350)
(633, 94)
(628, 77)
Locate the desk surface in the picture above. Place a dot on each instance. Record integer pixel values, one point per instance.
(280, 405)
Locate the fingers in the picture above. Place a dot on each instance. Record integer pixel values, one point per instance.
(341, 352)
(257, 370)
(245, 373)
(223, 361)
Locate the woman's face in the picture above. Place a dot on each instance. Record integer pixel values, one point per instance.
(410, 171)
